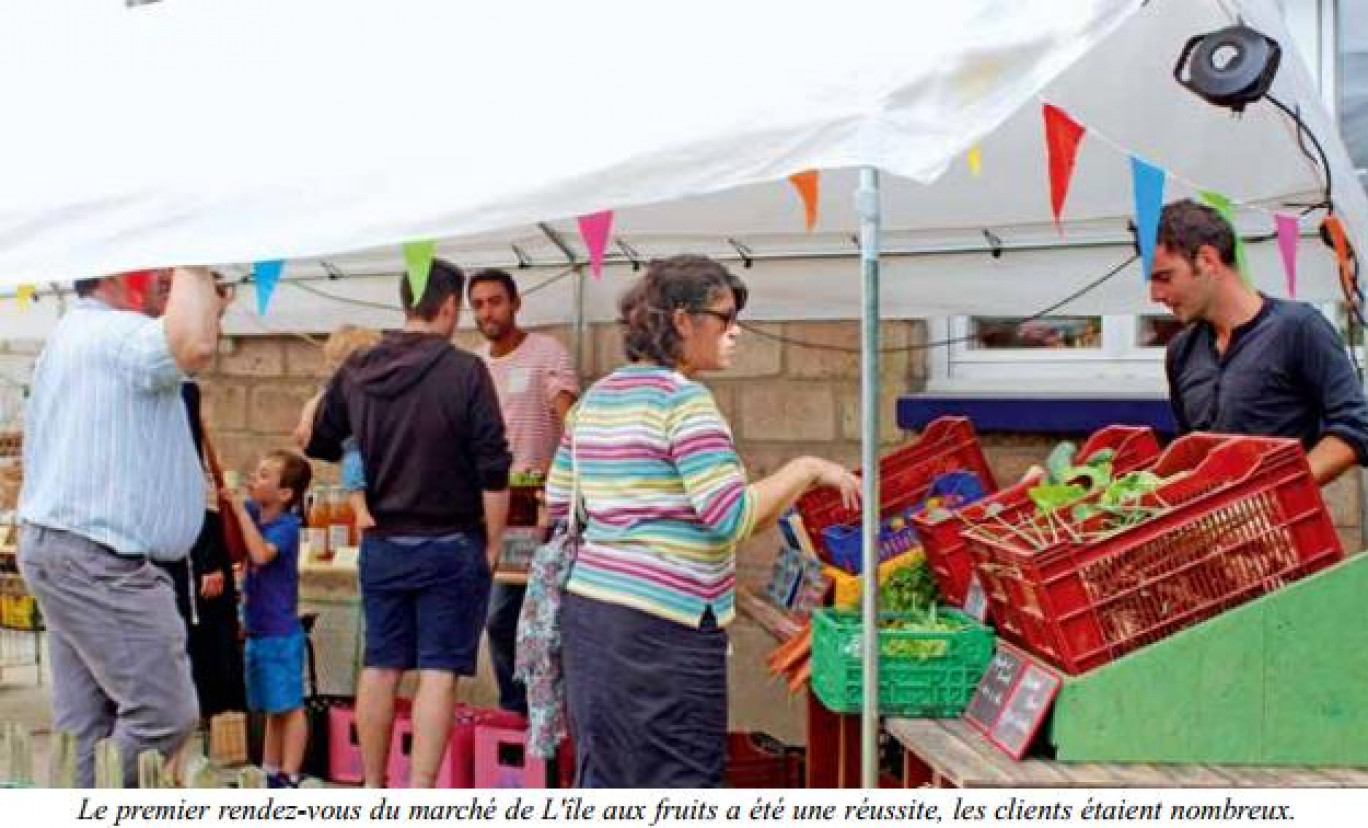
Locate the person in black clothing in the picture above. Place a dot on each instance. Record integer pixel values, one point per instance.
(206, 591)
(426, 417)
(1248, 363)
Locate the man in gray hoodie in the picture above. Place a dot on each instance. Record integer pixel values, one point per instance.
(426, 417)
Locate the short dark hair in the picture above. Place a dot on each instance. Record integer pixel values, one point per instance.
(493, 274)
(679, 282)
(86, 287)
(444, 280)
(1184, 226)
(295, 474)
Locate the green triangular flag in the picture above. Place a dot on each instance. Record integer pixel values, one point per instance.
(1222, 205)
(418, 263)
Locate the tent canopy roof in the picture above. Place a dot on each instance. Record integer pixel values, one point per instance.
(338, 129)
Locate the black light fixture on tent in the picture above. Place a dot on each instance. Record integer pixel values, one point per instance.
(1234, 67)
(1231, 67)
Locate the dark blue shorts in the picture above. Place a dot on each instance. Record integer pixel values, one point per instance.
(424, 601)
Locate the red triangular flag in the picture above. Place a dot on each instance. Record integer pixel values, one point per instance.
(805, 183)
(1062, 137)
(594, 230)
(1341, 242)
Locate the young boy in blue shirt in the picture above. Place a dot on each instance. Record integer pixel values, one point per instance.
(274, 656)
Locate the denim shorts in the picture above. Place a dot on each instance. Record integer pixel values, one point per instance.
(275, 672)
(425, 601)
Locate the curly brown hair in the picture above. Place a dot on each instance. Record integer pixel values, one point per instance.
(678, 283)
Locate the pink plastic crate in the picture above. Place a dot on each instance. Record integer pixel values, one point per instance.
(344, 746)
(401, 757)
(501, 759)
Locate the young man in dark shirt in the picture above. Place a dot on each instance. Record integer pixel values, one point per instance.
(1248, 363)
(426, 416)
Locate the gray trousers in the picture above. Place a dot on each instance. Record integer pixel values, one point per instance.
(120, 668)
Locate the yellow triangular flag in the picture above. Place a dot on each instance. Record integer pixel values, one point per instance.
(975, 160)
(24, 293)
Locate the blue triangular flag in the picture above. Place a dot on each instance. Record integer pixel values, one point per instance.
(266, 275)
(1149, 201)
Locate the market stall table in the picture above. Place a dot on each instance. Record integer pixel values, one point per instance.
(951, 753)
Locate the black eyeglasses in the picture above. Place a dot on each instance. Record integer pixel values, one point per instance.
(727, 318)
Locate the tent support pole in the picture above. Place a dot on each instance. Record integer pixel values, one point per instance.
(577, 324)
(867, 208)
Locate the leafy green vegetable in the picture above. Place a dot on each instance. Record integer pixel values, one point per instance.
(909, 589)
(1059, 461)
(1050, 497)
(1101, 456)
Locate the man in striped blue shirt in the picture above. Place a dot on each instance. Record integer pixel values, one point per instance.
(112, 483)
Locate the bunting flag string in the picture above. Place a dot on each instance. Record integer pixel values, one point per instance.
(1289, 233)
(595, 229)
(807, 184)
(418, 265)
(1148, 181)
(1061, 127)
(266, 275)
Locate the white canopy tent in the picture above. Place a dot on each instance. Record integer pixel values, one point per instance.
(200, 131)
(204, 131)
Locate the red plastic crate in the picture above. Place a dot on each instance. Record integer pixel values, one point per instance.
(758, 760)
(1243, 517)
(905, 474)
(946, 553)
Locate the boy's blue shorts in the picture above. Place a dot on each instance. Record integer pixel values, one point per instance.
(275, 672)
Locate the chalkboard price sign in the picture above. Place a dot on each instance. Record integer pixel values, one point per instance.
(1012, 701)
(994, 688)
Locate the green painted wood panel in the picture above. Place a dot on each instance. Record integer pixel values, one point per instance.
(1282, 680)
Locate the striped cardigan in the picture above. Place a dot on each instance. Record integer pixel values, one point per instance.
(665, 494)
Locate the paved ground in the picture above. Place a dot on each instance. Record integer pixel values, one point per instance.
(24, 697)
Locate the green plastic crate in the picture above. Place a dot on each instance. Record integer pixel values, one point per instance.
(923, 674)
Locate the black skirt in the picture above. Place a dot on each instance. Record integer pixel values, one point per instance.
(647, 697)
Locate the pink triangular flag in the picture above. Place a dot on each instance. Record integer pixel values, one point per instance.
(1289, 233)
(595, 229)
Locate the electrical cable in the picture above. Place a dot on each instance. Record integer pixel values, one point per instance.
(926, 346)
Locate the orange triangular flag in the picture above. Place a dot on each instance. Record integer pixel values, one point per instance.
(1335, 228)
(805, 183)
(1062, 137)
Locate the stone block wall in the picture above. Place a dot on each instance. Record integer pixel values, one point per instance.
(795, 389)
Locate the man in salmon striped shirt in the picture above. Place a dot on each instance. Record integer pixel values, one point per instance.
(537, 386)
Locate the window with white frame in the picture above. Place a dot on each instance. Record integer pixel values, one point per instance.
(1053, 353)
(1351, 80)
(1124, 353)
